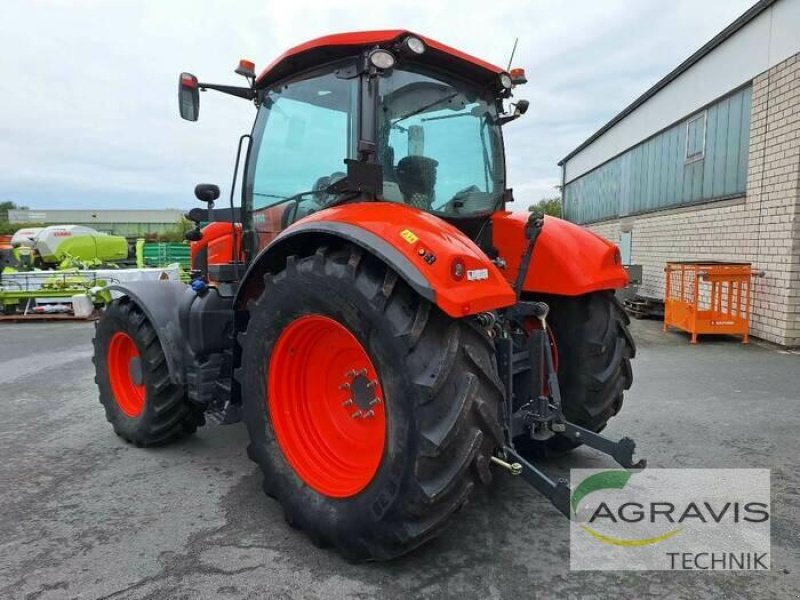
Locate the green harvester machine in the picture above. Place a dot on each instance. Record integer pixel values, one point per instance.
(46, 264)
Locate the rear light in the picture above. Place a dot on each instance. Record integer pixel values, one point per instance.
(457, 269)
(188, 80)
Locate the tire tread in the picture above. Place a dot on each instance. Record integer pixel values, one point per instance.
(457, 407)
(168, 414)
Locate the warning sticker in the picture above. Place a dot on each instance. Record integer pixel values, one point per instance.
(409, 236)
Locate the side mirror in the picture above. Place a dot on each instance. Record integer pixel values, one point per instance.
(188, 97)
(206, 192)
(520, 108)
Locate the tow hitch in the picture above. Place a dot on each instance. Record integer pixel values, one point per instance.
(558, 490)
(533, 397)
(541, 415)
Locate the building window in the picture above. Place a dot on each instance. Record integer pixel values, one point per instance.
(696, 137)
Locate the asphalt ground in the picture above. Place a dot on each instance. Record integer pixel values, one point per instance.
(84, 515)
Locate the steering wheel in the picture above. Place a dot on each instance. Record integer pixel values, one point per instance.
(317, 199)
(319, 190)
(457, 201)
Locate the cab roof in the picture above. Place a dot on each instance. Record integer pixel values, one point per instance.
(332, 47)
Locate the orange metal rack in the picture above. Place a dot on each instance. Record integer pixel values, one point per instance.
(708, 297)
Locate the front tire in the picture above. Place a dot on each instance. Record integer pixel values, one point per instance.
(344, 315)
(141, 403)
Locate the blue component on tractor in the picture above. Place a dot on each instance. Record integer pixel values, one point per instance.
(199, 286)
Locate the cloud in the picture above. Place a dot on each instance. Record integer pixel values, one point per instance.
(88, 111)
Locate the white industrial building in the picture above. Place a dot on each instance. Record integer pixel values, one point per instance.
(705, 165)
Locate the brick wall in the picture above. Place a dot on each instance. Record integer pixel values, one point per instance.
(762, 228)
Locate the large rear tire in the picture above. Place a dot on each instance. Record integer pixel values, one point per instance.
(141, 403)
(594, 349)
(325, 329)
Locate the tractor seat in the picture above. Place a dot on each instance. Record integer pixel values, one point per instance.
(416, 177)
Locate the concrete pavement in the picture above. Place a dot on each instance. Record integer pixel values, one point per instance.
(84, 515)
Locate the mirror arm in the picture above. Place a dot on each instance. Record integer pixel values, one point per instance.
(508, 118)
(232, 90)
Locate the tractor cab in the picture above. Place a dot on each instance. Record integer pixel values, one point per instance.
(389, 116)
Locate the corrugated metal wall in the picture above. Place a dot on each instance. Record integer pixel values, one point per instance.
(656, 174)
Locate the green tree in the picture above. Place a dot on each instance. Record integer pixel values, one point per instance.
(174, 234)
(7, 228)
(549, 206)
(7, 206)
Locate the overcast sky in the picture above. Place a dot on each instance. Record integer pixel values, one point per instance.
(88, 108)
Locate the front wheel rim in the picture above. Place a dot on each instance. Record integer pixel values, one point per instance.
(326, 406)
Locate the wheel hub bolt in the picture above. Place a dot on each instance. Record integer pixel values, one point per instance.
(362, 393)
(344, 386)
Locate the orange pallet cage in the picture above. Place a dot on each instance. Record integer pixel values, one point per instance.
(708, 297)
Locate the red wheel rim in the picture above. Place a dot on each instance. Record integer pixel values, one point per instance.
(124, 373)
(327, 406)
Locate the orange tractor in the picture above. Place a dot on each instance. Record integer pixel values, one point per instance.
(388, 332)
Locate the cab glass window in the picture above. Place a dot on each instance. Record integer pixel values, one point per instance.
(303, 133)
(441, 145)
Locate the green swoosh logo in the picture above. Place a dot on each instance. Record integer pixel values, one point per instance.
(611, 480)
(599, 481)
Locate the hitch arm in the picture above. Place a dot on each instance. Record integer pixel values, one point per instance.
(621, 451)
(557, 491)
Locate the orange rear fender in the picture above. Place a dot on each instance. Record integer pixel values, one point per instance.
(424, 250)
(567, 260)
